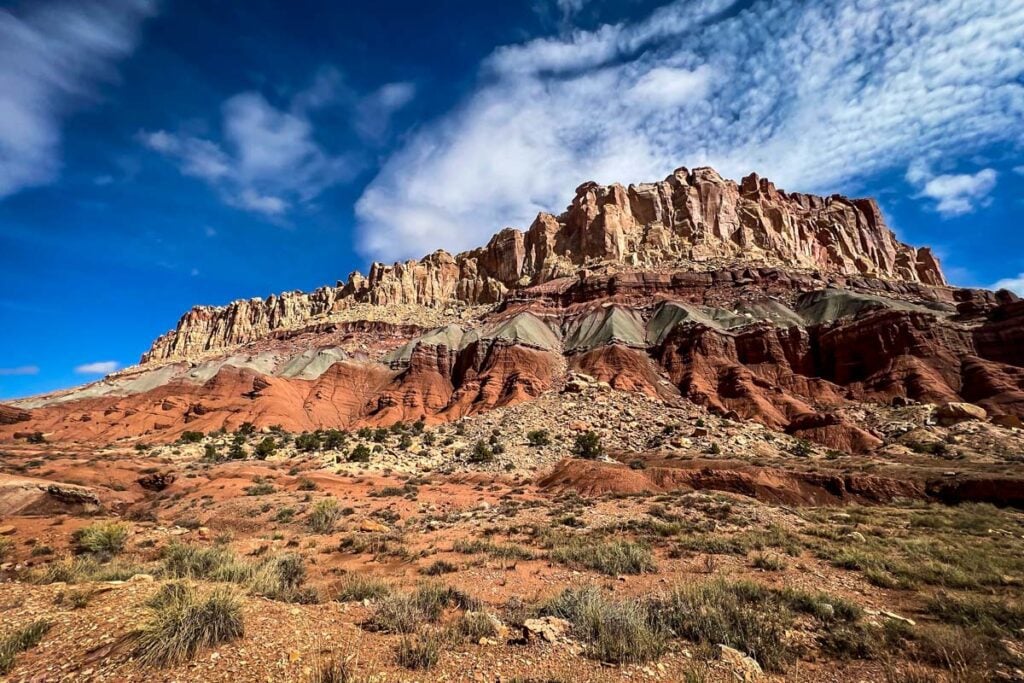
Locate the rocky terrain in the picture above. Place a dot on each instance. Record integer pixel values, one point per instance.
(691, 430)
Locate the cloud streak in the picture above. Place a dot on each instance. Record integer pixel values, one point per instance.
(52, 57)
(103, 367)
(817, 96)
(20, 371)
(268, 159)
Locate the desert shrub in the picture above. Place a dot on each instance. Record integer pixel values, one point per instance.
(359, 587)
(611, 557)
(36, 437)
(439, 567)
(615, 632)
(183, 623)
(307, 442)
(102, 538)
(405, 443)
(324, 516)
(500, 551)
(418, 652)
(741, 615)
(18, 641)
(191, 437)
(538, 437)
(259, 488)
(211, 452)
(334, 439)
(588, 445)
(246, 429)
(86, 568)
(768, 563)
(989, 615)
(361, 453)
(306, 484)
(265, 448)
(6, 547)
(332, 670)
(482, 453)
(473, 626)
(285, 515)
(407, 612)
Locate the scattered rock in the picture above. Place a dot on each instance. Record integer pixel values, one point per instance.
(744, 667)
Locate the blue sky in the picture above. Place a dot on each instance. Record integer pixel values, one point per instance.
(156, 155)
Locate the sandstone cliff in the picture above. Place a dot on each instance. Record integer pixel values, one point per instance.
(692, 217)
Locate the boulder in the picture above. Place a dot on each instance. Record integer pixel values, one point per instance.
(954, 412)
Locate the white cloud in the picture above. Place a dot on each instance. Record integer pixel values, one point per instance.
(817, 96)
(103, 367)
(374, 112)
(954, 194)
(269, 159)
(22, 370)
(1014, 284)
(52, 56)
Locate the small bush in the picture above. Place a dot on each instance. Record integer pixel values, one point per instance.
(741, 615)
(332, 671)
(538, 437)
(103, 538)
(482, 453)
(616, 632)
(307, 443)
(19, 641)
(182, 623)
(305, 484)
(265, 448)
(324, 516)
(473, 626)
(361, 453)
(260, 488)
(191, 437)
(418, 652)
(612, 558)
(504, 551)
(439, 567)
(588, 445)
(768, 563)
(359, 587)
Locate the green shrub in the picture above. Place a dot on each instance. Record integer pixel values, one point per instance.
(741, 615)
(19, 641)
(361, 453)
(307, 443)
(588, 445)
(418, 652)
(439, 567)
(183, 623)
(611, 557)
(265, 448)
(191, 437)
(324, 516)
(615, 632)
(482, 453)
(359, 587)
(538, 437)
(102, 538)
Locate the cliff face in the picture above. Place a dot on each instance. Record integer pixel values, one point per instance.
(690, 217)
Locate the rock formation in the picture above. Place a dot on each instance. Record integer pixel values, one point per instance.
(783, 309)
(692, 218)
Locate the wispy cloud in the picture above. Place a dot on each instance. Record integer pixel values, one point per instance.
(268, 158)
(19, 371)
(102, 367)
(954, 194)
(817, 96)
(1014, 284)
(52, 56)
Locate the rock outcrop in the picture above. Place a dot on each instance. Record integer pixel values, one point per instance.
(692, 218)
